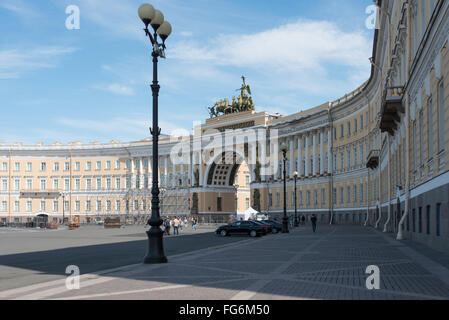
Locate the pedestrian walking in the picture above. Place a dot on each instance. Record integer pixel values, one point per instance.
(303, 220)
(194, 224)
(313, 219)
(167, 226)
(181, 223)
(291, 221)
(176, 227)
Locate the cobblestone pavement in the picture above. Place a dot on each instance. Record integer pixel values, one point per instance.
(330, 264)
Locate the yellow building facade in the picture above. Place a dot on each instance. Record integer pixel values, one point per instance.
(376, 157)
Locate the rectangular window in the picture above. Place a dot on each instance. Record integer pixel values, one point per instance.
(55, 184)
(118, 183)
(66, 184)
(66, 166)
(349, 128)
(136, 205)
(43, 166)
(323, 196)
(145, 163)
(16, 206)
(308, 197)
(4, 206)
(77, 184)
(29, 206)
(127, 164)
(56, 166)
(361, 122)
(43, 184)
(17, 166)
(428, 220)
(420, 220)
(117, 164)
(88, 166)
(348, 194)
(98, 205)
(98, 183)
(117, 205)
(77, 206)
(42, 206)
(414, 220)
(77, 166)
(219, 207)
(55, 206)
(4, 166)
(17, 184)
(341, 195)
(29, 184)
(108, 165)
(108, 205)
(98, 165)
(342, 134)
(108, 184)
(66, 206)
(438, 220)
(88, 206)
(300, 198)
(89, 184)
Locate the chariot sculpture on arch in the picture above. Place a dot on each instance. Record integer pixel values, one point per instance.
(244, 102)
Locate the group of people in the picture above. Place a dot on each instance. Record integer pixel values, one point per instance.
(178, 223)
(302, 221)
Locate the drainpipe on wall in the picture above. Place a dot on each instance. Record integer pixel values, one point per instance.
(400, 235)
(389, 186)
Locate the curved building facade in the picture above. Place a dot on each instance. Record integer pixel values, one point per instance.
(376, 157)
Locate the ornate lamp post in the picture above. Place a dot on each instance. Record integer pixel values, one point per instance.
(284, 159)
(295, 176)
(163, 29)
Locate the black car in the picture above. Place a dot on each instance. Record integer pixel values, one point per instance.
(268, 226)
(242, 228)
(277, 227)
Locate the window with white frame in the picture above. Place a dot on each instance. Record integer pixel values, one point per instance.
(66, 184)
(77, 184)
(88, 166)
(43, 206)
(17, 184)
(55, 166)
(43, 184)
(66, 166)
(117, 205)
(108, 165)
(66, 206)
(108, 184)
(98, 183)
(4, 206)
(441, 110)
(108, 205)
(55, 184)
(29, 166)
(88, 205)
(16, 206)
(118, 185)
(43, 166)
(4, 185)
(4, 166)
(77, 206)
(29, 184)
(98, 205)
(16, 166)
(117, 164)
(89, 184)
(55, 206)
(29, 206)
(77, 166)
(98, 165)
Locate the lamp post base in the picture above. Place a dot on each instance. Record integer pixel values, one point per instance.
(155, 253)
(285, 225)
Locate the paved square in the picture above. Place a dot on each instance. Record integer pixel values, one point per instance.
(330, 264)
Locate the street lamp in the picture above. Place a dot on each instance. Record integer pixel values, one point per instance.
(155, 18)
(284, 159)
(295, 176)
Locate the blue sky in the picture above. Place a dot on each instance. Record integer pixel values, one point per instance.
(92, 84)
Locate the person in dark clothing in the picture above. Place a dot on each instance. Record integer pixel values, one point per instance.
(313, 219)
(167, 226)
(303, 220)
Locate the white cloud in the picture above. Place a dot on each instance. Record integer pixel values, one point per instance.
(301, 45)
(120, 90)
(14, 63)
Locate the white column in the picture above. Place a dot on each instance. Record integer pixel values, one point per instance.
(322, 152)
(201, 167)
(174, 182)
(133, 174)
(314, 138)
(299, 157)
(141, 176)
(292, 157)
(190, 164)
(165, 171)
(329, 154)
(307, 155)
